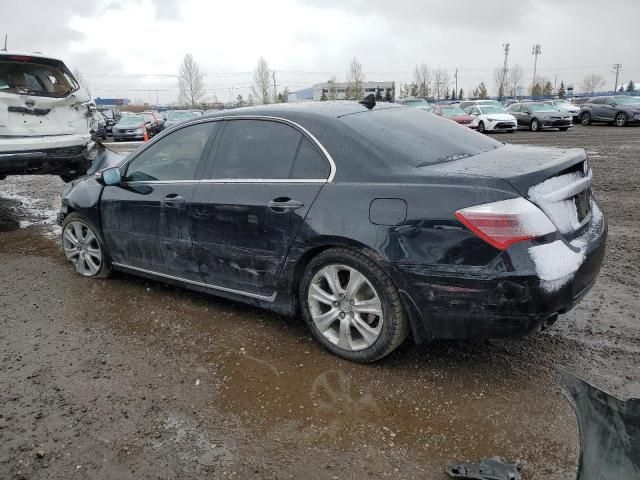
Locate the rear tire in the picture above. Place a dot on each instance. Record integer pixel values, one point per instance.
(534, 125)
(351, 306)
(621, 119)
(84, 248)
(585, 118)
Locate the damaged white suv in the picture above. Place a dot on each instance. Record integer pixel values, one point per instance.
(46, 118)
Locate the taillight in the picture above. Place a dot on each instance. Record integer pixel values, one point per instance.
(504, 223)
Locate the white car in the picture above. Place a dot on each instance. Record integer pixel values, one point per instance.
(489, 118)
(565, 106)
(46, 117)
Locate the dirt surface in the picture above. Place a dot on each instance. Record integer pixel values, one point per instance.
(127, 378)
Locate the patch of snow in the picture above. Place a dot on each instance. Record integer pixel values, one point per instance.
(556, 264)
(39, 211)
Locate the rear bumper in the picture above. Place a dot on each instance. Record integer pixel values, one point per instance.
(63, 160)
(127, 137)
(469, 304)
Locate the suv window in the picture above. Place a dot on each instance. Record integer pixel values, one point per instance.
(516, 107)
(173, 157)
(597, 101)
(256, 149)
(310, 163)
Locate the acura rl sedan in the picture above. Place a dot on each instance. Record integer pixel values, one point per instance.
(370, 222)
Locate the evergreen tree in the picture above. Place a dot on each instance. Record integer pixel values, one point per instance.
(547, 89)
(453, 94)
(239, 101)
(461, 95)
(323, 97)
(621, 89)
(387, 95)
(631, 87)
(413, 90)
(482, 91)
(562, 92)
(536, 90)
(446, 95)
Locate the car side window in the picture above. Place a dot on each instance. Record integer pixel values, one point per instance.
(256, 149)
(516, 108)
(173, 157)
(310, 163)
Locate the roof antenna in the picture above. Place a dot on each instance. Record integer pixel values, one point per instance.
(369, 101)
(5, 43)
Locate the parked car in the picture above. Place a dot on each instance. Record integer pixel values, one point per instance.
(101, 125)
(489, 118)
(178, 116)
(132, 128)
(565, 106)
(618, 110)
(112, 117)
(46, 118)
(470, 103)
(415, 103)
(197, 113)
(370, 222)
(156, 123)
(538, 116)
(456, 114)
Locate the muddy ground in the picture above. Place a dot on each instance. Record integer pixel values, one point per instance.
(130, 379)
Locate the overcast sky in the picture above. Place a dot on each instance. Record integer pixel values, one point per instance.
(133, 48)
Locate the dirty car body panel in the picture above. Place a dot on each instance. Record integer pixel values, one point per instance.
(388, 182)
(45, 117)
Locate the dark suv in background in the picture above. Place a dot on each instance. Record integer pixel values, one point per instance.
(619, 110)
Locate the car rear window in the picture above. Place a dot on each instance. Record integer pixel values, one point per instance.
(417, 137)
(33, 76)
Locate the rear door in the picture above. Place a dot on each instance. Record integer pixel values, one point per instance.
(264, 176)
(145, 219)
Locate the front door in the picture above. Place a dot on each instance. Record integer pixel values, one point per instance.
(264, 177)
(145, 219)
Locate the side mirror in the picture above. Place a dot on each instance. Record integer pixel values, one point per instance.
(110, 176)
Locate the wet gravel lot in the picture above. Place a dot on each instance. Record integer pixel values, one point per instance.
(129, 378)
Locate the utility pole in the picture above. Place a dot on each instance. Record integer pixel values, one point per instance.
(5, 42)
(503, 80)
(616, 66)
(537, 50)
(555, 84)
(275, 90)
(456, 75)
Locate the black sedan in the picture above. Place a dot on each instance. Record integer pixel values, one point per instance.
(538, 116)
(133, 128)
(371, 222)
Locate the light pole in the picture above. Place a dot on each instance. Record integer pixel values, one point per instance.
(537, 50)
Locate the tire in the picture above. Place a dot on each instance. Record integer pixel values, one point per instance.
(80, 247)
(564, 129)
(481, 128)
(534, 126)
(585, 118)
(340, 332)
(620, 119)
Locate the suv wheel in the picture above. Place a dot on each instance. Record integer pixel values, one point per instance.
(621, 119)
(585, 118)
(84, 247)
(352, 306)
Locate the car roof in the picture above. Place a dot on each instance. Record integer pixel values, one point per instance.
(30, 54)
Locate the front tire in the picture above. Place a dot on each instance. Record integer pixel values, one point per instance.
(351, 306)
(84, 248)
(621, 119)
(481, 128)
(535, 125)
(585, 118)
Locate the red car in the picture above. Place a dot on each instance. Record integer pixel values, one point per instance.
(454, 113)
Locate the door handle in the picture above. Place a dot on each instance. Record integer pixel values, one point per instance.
(282, 204)
(172, 200)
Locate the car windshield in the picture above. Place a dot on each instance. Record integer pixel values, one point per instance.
(541, 107)
(627, 100)
(180, 115)
(453, 111)
(33, 76)
(129, 120)
(491, 109)
(490, 102)
(417, 138)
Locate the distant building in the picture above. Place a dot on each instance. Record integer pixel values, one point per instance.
(112, 102)
(304, 95)
(341, 89)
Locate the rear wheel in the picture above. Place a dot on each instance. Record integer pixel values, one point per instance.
(352, 306)
(84, 248)
(535, 125)
(585, 118)
(481, 128)
(621, 119)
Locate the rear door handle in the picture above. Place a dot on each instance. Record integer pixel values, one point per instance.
(282, 204)
(172, 200)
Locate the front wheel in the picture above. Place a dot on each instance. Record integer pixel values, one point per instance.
(84, 248)
(621, 119)
(585, 118)
(481, 128)
(535, 125)
(352, 306)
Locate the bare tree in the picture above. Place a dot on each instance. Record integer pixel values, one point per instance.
(593, 83)
(355, 80)
(190, 85)
(82, 81)
(440, 82)
(422, 78)
(261, 88)
(332, 91)
(515, 77)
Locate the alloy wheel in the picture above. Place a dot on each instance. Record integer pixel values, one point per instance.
(621, 120)
(82, 248)
(345, 307)
(585, 119)
(534, 125)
